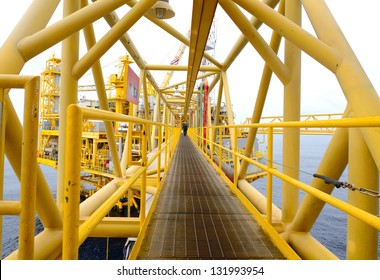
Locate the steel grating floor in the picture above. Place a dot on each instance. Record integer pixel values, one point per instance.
(198, 217)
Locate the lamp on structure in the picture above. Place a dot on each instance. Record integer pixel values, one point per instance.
(161, 10)
(177, 93)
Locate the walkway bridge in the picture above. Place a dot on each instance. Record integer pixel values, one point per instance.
(140, 29)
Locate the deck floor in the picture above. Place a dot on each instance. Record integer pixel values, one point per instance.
(198, 217)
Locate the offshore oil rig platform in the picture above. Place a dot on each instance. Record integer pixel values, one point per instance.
(181, 196)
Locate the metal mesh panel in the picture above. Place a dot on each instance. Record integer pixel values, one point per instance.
(198, 217)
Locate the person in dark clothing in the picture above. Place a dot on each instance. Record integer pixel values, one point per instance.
(184, 128)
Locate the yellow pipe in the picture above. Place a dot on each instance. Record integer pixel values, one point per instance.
(362, 239)
(260, 99)
(258, 42)
(201, 76)
(28, 186)
(182, 38)
(12, 63)
(92, 203)
(48, 246)
(242, 40)
(57, 32)
(292, 107)
(203, 14)
(90, 224)
(269, 175)
(111, 37)
(143, 176)
(344, 206)
(320, 51)
(10, 207)
(118, 227)
(102, 95)
(230, 114)
(336, 156)
(69, 85)
(358, 89)
(70, 243)
(308, 248)
(4, 208)
(162, 67)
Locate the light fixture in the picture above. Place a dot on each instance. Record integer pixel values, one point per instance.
(177, 93)
(161, 10)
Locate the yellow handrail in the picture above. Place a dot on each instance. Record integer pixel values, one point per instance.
(75, 233)
(204, 141)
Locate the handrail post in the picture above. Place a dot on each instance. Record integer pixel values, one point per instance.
(235, 159)
(269, 175)
(28, 189)
(144, 144)
(220, 149)
(212, 144)
(159, 147)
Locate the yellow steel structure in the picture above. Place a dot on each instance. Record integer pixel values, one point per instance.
(67, 223)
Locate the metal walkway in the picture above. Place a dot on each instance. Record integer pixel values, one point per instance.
(198, 217)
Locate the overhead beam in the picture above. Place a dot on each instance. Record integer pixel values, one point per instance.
(256, 40)
(242, 40)
(320, 51)
(176, 34)
(162, 67)
(111, 37)
(203, 15)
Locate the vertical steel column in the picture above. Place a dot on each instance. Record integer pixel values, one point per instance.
(2, 149)
(260, 98)
(35, 18)
(230, 113)
(102, 96)
(358, 89)
(292, 100)
(29, 170)
(362, 239)
(70, 242)
(69, 94)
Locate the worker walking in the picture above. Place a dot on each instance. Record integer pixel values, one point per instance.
(184, 128)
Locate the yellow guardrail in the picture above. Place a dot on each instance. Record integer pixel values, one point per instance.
(26, 207)
(205, 139)
(74, 233)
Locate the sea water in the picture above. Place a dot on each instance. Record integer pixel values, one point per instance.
(330, 227)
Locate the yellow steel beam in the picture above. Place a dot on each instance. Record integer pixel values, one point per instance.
(10, 208)
(242, 40)
(362, 239)
(292, 111)
(180, 67)
(357, 88)
(111, 37)
(11, 63)
(168, 28)
(201, 76)
(203, 14)
(55, 33)
(320, 51)
(258, 42)
(70, 242)
(102, 95)
(260, 98)
(118, 227)
(69, 85)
